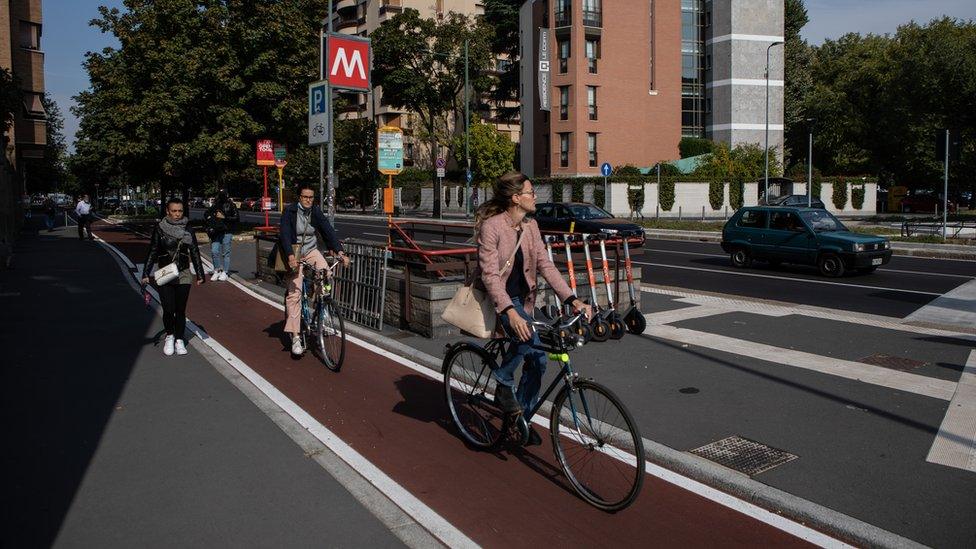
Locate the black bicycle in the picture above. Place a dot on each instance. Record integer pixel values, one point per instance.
(593, 435)
(321, 321)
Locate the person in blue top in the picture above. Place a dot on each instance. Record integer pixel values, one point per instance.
(301, 224)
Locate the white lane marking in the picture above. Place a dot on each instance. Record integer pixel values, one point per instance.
(786, 279)
(955, 445)
(866, 373)
(419, 511)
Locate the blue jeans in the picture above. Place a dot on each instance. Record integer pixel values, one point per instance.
(534, 368)
(220, 252)
(49, 221)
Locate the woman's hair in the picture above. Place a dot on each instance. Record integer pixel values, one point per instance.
(173, 200)
(504, 189)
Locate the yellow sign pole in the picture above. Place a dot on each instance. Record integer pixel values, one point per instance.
(281, 185)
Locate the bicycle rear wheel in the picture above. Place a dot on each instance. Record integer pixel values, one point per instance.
(598, 445)
(469, 388)
(329, 335)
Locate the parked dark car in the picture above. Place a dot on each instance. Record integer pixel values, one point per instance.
(580, 217)
(924, 203)
(251, 204)
(804, 236)
(797, 201)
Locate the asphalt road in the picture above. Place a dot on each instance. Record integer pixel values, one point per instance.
(896, 289)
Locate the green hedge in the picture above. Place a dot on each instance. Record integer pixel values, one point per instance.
(577, 195)
(840, 194)
(857, 196)
(635, 198)
(666, 195)
(716, 194)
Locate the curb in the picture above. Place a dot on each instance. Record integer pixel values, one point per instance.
(772, 499)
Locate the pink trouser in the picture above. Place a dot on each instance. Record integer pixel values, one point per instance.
(293, 300)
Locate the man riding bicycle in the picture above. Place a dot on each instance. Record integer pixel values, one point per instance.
(299, 223)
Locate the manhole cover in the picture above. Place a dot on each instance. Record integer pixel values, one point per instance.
(894, 362)
(743, 455)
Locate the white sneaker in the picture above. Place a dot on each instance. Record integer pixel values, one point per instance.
(180, 347)
(296, 345)
(216, 276)
(223, 275)
(168, 345)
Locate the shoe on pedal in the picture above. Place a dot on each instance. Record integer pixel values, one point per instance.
(505, 399)
(534, 438)
(296, 345)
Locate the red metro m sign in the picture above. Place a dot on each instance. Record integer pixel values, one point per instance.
(347, 63)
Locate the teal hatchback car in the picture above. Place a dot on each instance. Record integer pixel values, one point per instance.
(804, 236)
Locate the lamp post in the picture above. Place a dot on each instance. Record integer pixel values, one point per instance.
(810, 123)
(766, 176)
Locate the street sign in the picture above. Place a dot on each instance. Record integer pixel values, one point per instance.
(606, 169)
(469, 176)
(280, 164)
(318, 113)
(266, 203)
(348, 63)
(440, 163)
(440, 172)
(280, 152)
(265, 152)
(389, 150)
(543, 73)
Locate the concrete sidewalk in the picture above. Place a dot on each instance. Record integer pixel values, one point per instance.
(115, 444)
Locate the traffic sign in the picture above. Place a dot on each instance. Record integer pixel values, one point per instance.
(348, 63)
(318, 113)
(440, 172)
(606, 169)
(265, 152)
(280, 152)
(389, 149)
(441, 163)
(266, 203)
(280, 163)
(469, 176)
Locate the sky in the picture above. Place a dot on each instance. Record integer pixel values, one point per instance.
(67, 35)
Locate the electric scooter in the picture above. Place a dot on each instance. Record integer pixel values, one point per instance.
(599, 326)
(610, 314)
(582, 327)
(550, 310)
(633, 318)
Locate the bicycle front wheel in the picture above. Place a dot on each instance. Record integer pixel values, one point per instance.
(330, 335)
(598, 445)
(469, 387)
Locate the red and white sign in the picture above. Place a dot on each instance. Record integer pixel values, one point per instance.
(265, 152)
(347, 64)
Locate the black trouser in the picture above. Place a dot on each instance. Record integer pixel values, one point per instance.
(84, 222)
(174, 297)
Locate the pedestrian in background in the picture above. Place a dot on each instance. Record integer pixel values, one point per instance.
(173, 241)
(50, 210)
(221, 218)
(83, 211)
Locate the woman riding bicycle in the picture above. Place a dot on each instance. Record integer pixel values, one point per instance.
(511, 283)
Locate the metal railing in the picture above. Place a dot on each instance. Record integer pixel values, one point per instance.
(360, 289)
(953, 229)
(592, 18)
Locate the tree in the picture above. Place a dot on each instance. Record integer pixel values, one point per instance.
(355, 157)
(50, 172)
(694, 146)
(798, 82)
(492, 153)
(503, 17)
(11, 99)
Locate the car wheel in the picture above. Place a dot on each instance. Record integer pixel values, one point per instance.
(830, 265)
(740, 257)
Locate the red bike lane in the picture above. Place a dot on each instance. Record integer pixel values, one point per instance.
(397, 419)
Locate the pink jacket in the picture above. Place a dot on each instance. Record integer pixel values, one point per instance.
(496, 241)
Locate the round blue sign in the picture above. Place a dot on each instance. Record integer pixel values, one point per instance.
(605, 169)
(469, 176)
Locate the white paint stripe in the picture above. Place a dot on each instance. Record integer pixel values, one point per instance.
(788, 279)
(745, 38)
(745, 82)
(445, 530)
(420, 512)
(866, 373)
(955, 445)
(744, 126)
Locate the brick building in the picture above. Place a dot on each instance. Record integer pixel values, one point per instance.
(20, 52)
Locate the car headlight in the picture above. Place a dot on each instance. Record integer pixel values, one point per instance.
(886, 245)
(859, 247)
(609, 231)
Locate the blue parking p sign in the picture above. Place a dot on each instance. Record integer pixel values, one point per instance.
(605, 169)
(318, 113)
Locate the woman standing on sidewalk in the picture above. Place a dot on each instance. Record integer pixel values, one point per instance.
(173, 241)
(511, 255)
(221, 220)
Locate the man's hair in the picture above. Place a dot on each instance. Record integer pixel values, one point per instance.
(174, 200)
(304, 186)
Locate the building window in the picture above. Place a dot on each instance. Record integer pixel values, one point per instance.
(564, 150)
(30, 35)
(564, 13)
(564, 102)
(592, 13)
(693, 66)
(592, 53)
(591, 101)
(564, 55)
(591, 148)
(34, 105)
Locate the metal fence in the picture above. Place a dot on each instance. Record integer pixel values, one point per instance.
(360, 289)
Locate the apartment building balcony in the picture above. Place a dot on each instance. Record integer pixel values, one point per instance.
(563, 18)
(593, 18)
(31, 131)
(391, 7)
(345, 5)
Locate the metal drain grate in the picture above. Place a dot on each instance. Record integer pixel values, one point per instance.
(894, 362)
(743, 455)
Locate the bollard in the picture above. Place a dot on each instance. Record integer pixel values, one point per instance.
(679, 213)
(703, 213)
(657, 211)
(726, 213)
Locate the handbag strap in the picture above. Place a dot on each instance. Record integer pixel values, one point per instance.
(518, 244)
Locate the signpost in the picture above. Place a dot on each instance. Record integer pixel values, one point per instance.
(280, 152)
(606, 170)
(319, 124)
(265, 158)
(389, 162)
(440, 163)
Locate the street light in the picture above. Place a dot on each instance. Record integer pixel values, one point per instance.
(766, 186)
(467, 121)
(810, 123)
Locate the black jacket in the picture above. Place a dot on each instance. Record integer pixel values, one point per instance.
(162, 248)
(217, 226)
(287, 236)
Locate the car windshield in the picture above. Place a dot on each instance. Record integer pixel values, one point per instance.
(822, 221)
(588, 211)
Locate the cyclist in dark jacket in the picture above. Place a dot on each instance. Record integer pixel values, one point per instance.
(173, 240)
(221, 220)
